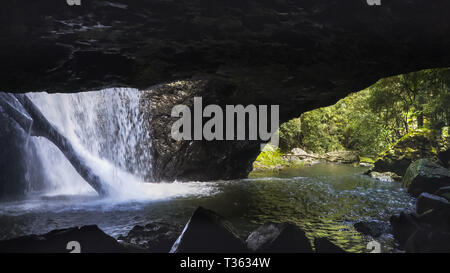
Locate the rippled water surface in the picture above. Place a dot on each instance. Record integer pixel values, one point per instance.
(324, 200)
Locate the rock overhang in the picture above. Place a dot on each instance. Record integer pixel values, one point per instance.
(300, 55)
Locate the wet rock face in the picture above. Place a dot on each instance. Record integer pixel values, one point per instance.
(300, 55)
(20, 168)
(197, 160)
(12, 158)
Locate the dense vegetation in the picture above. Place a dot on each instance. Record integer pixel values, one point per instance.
(373, 119)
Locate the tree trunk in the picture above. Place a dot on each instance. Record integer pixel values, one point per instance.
(42, 127)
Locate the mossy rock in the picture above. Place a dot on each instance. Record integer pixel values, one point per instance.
(411, 147)
(425, 175)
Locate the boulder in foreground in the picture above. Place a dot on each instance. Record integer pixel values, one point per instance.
(323, 245)
(208, 232)
(403, 226)
(444, 192)
(426, 202)
(373, 228)
(154, 237)
(279, 238)
(91, 239)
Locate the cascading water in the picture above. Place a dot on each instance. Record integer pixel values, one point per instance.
(108, 129)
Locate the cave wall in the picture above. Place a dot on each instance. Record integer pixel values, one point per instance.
(20, 169)
(299, 54)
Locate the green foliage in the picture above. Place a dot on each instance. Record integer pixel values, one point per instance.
(289, 134)
(348, 124)
(371, 120)
(326, 132)
(270, 158)
(366, 160)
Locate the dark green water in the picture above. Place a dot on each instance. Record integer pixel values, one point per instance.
(325, 200)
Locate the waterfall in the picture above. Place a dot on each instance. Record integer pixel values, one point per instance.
(107, 128)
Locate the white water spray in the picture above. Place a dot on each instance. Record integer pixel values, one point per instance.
(108, 129)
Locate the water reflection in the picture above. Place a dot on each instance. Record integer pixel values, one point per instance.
(324, 200)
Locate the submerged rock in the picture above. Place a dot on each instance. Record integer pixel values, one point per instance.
(323, 245)
(373, 228)
(91, 239)
(299, 152)
(207, 231)
(153, 237)
(386, 176)
(425, 175)
(342, 157)
(279, 238)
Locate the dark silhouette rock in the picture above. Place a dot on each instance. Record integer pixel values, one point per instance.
(153, 237)
(427, 201)
(444, 158)
(436, 219)
(208, 232)
(425, 175)
(90, 238)
(428, 241)
(323, 245)
(373, 228)
(427, 232)
(444, 192)
(279, 238)
(403, 226)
